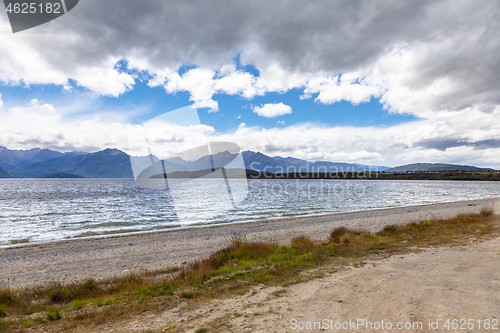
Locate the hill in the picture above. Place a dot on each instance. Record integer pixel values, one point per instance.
(435, 167)
(11, 159)
(260, 162)
(324, 166)
(4, 174)
(61, 175)
(109, 163)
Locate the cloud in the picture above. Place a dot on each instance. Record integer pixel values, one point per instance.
(200, 84)
(466, 137)
(236, 82)
(1, 102)
(393, 145)
(272, 110)
(341, 88)
(39, 124)
(448, 74)
(203, 84)
(433, 59)
(24, 60)
(417, 56)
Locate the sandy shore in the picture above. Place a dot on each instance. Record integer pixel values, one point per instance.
(74, 260)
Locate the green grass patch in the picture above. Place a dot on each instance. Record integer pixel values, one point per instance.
(53, 314)
(77, 305)
(202, 330)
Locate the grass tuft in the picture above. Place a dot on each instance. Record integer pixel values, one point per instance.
(59, 294)
(486, 212)
(337, 233)
(390, 230)
(53, 314)
(187, 294)
(302, 243)
(202, 330)
(8, 297)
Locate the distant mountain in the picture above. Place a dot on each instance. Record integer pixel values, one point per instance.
(10, 160)
(4, 174)
(109, 163)
(205, 162)
(113, 163)
(291, 160)
(47, 154)
(323, 166)
(261, 162)
(61, 175)
(430, 167)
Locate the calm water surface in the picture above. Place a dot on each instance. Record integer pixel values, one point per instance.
(54, 209)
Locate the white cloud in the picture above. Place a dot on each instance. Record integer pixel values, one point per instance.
(275, 78)
(22, 62)
(466, 137)
(345, 88)
(203, 84)
(104, 79)
(1, 102)
(272, 110)
(199, 83)
(234, 82)
(38, 124)
(447, 74)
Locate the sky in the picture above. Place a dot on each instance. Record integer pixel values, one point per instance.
(372, 82)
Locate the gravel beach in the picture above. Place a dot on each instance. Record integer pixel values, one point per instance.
(74, 260)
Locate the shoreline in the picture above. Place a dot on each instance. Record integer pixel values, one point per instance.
(67, 261)
(223, 224)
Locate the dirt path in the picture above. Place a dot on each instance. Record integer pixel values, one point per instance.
(440, 284)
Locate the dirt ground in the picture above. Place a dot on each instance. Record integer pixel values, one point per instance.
(434, 287)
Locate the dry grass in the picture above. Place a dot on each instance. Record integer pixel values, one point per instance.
(89, 304)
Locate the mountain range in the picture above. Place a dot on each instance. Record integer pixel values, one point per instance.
(431, 167)
(113, 163)
(109, 163)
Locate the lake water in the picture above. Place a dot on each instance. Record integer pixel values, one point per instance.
(40, 210)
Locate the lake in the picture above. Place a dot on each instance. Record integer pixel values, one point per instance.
(42, 210)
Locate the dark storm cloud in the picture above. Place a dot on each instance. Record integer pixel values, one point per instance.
(445, 143)
(303, 35)
(486, 144)
(441, 143)
(452, 44)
